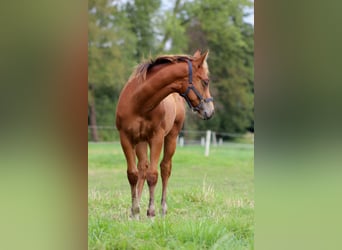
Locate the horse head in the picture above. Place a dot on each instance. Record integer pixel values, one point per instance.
(196, 92)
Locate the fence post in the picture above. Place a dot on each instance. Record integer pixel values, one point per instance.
(214, 139)
(207, 143)
(181, 141)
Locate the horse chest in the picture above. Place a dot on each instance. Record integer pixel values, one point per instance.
(142, 129)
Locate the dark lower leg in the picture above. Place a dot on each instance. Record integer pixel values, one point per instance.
(166, 165)
(165, 168)
(156, 145)
(133, 179)
(152, 178)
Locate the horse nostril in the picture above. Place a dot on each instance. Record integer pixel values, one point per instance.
(206, 116)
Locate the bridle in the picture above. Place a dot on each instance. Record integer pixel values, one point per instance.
(192, 87)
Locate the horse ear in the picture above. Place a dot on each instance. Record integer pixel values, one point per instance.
(197, 53)
(203, 58)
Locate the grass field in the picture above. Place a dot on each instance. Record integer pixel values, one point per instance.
(210, 201)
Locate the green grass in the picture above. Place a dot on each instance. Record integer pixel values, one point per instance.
(210, 201)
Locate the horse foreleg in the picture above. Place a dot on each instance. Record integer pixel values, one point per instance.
(156, 145)
(166, 166)
(141, 151)
(132, 172)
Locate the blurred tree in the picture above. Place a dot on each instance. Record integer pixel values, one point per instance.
(110, 49)
(141, 15)
(122, 33)
(219, 25)
(172, 30)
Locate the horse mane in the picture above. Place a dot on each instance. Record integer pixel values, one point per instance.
(143, 68)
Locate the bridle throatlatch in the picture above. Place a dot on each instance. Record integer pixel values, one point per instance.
(192, 87)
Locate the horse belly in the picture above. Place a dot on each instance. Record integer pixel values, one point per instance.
(170, 113)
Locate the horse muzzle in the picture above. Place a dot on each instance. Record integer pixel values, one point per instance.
(206, 111)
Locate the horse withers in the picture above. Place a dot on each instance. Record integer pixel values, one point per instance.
(151, 112)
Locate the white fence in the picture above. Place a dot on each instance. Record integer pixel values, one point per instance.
(186, 137)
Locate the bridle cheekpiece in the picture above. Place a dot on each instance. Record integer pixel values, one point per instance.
(192, 87)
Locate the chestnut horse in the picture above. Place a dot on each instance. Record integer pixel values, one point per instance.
(151, 112)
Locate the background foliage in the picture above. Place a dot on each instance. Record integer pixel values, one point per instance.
(123, 33)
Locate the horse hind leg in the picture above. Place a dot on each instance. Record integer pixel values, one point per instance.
(156, 145)
(141, 152)
(166, 166)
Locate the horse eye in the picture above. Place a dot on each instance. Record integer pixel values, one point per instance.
(205, 82)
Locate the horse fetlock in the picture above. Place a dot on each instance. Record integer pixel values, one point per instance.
(151, 210)
(135, 216)
(135, 210)
(151, 213)
(164, 209)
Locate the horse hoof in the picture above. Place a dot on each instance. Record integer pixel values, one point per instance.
(164, 210)
(151, 213)
(135, 212)
(134, 217)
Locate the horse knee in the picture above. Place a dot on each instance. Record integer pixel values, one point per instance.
(132, 177)
(152, 178)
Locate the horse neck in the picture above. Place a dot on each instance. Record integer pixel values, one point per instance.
(159, 85)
